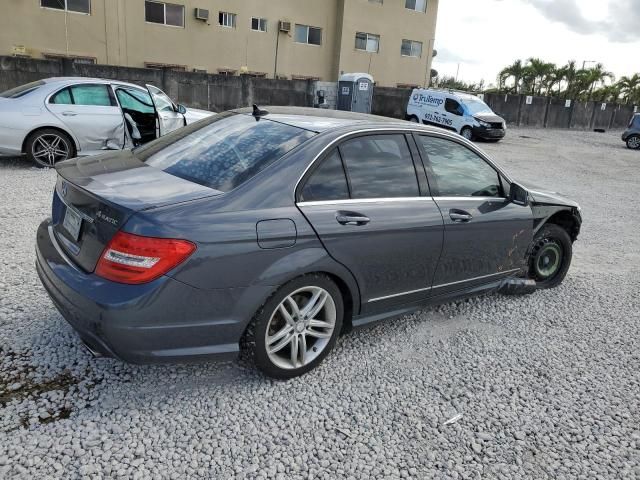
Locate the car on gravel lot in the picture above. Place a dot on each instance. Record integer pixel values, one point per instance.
(277, 229)
(632, 135)
(59, 118)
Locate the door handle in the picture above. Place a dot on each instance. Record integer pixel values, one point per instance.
(351, 218)
(69, 114)
(460, 216)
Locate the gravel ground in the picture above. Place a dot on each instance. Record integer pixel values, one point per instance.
(542, 386)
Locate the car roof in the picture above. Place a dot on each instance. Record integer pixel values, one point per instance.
(323, 120)
(67, 80)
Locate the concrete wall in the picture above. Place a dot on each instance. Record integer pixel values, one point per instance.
(221, 92)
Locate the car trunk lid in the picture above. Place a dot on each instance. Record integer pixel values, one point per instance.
(95, 196)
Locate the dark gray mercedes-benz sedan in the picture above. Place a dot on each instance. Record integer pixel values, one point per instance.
(277, 229)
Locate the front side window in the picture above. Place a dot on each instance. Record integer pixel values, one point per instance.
(136, 100)
(259, 24)
(88, 95)
(164, 13)
(226, 19)
(457, 171)
(452, 106)
(380, 166)
(368, 42)
(411, 48)
(79, 6)
(222, 151)
(307, 34)
(327, 182)
(417, 5)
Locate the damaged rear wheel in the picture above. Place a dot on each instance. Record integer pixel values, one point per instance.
(550, 256)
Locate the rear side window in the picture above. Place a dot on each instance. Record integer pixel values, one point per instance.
(88, 95)
(225, 151)
(328, 181)
(380, 166)
(22, 90)
(456, 171)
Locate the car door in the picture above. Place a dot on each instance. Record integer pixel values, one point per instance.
(365, 202)
(169, 119)
(485, 235)
(453, 114)
(139, 113)
(91, 113)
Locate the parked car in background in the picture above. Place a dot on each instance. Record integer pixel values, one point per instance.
(459, 112)
(59, 118)
(278, 229)
(632, 135)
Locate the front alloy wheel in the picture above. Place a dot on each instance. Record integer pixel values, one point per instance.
(297, 327)
(633, 142)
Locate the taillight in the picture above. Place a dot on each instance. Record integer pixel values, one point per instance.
(136, 259)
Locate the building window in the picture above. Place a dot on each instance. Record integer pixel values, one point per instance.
(81, 60)
(79, 6)
(254, 74)
(376, 1)
(164, 13)
(226, 19)
(417, 5)
(368, 42)
(411, 48)
(259, 24)
(227, 72)
(307, 34)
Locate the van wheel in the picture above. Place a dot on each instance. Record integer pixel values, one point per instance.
(414, 119)
(467, 133)
(633, 142)
(297, 327)
(49, 146)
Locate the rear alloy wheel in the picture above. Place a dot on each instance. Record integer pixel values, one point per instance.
(467, 133)
(47, 147)
(297, 327)
(550, 256)
(633, 142)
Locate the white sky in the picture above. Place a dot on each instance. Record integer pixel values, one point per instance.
(484, 36)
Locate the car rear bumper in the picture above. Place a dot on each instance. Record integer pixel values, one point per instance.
(489, 133)
(159, 322)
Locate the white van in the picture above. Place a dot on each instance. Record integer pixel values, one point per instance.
(463, 113)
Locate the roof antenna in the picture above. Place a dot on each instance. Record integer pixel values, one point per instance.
(257, 112)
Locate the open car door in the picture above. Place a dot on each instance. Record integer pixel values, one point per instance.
(167, 114)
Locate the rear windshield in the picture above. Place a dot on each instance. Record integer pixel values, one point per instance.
(224, 151)
(22, 90)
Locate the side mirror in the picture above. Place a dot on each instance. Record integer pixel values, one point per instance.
(518, 195)
(181, 109)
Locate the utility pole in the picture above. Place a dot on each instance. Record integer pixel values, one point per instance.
(457, 72)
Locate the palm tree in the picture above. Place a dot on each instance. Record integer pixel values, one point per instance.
(515, 71)
(569, 76)
(630, 87)
(535, 74)
(597, 76)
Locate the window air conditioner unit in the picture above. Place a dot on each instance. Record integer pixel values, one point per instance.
(202, 14)
(285, 26)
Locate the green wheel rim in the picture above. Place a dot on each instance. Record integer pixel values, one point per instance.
(548, 260)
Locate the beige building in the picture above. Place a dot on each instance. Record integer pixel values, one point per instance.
(390, 39)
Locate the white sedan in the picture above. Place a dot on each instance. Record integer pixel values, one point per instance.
(59, 118)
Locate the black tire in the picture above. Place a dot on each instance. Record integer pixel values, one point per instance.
(413, 119)
(633, 142)
(467, 133)
(550, 256)
(256, 338)
(48, 146)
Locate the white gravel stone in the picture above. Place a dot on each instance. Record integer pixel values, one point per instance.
(548, 383)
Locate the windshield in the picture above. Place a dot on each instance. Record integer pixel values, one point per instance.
(22, 90)
(477, 107)
(223, 152)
